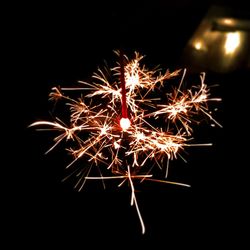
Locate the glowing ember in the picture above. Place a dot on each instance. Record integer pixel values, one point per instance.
(125, 124)
(161, 125)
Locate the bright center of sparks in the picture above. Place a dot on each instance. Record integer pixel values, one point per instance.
(125, 123)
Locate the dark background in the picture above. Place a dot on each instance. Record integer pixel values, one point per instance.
(61, 43)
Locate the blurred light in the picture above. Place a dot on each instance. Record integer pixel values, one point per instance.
(232, 42)
(220, 43)
(228, 21)
(198, 45)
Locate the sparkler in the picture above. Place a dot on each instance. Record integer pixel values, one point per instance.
(113, 123)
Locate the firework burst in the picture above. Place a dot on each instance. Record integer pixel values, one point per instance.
(113, 122)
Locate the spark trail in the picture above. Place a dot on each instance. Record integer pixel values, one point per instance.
(113, 122)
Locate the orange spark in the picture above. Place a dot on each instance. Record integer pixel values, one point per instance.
(98, 132)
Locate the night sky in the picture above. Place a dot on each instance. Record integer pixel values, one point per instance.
(61, 44)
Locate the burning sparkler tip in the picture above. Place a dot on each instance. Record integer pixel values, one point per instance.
(125, 124)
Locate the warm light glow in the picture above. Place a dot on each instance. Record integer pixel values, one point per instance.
(125, 124)
(232, 42)
(228, 21)
(162, 124)
(198, 45)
